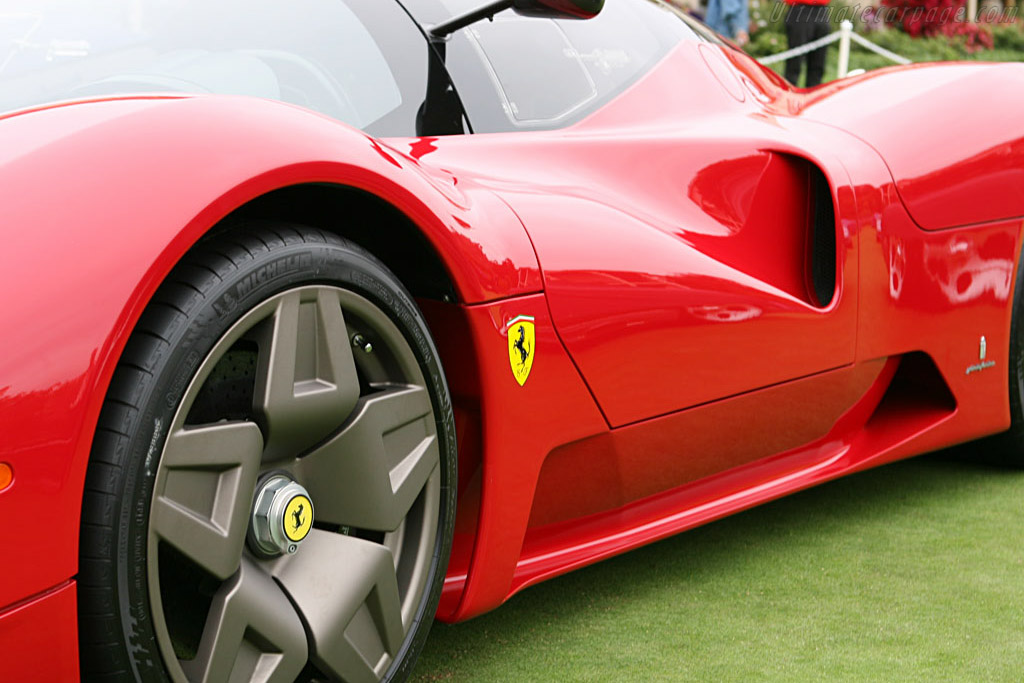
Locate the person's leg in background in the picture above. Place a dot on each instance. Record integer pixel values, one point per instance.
(818, 27)
(797, 31)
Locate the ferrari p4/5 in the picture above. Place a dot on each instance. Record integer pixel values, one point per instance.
(323, 318)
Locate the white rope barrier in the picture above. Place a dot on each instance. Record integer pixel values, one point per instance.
(845, 34)
(878, 49)
(801, 50)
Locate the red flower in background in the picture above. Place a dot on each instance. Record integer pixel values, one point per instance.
(937, 17)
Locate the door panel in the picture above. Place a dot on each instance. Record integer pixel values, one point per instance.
(674, 231)
(636, 462)
(693, 284)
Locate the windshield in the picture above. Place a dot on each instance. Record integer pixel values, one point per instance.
(321, 54)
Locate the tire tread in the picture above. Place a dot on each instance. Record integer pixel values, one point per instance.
(104, 648)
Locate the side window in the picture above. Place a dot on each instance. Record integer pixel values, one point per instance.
(418, 73)
(517, 73)
(514, 51)
(364, 62)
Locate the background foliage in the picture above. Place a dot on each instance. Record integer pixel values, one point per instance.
(1003, 42)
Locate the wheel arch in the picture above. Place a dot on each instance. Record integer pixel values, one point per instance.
(112, 231)
(364, 218)
(389, 234)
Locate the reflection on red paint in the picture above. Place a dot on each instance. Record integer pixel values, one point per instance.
(422, 146)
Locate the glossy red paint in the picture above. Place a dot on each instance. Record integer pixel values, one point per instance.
(682, 308)
(515, 427)
(114, 229)
(39, 637)
(558, 544)
(663, 259)
(696, 239)
(655, 456)
(669, 293)
(953, 169)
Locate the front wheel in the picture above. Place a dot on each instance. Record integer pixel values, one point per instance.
(270, 493)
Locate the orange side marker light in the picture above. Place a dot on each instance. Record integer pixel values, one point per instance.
(6, 475)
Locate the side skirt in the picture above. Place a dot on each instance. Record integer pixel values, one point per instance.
(893, 420)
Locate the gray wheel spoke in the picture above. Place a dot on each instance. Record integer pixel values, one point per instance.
(369, 475)
(346, 591)
(252, 633)
(282, 393)
(306, 383)
(202, 506)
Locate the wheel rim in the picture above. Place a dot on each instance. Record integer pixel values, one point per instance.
(285, 391)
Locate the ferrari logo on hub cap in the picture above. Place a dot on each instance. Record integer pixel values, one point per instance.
(282, 516)
(298, 518)
(521, 346)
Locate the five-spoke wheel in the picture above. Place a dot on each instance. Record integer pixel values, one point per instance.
(279, 438)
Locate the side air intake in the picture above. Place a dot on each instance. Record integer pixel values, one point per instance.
(822, 251)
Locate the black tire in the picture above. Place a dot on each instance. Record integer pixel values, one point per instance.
(128, 633)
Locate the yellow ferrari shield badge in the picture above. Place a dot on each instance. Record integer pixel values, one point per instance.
(298, 518)
(521, 346)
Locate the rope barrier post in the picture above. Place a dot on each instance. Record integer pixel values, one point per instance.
(845, 35)
(845, 29)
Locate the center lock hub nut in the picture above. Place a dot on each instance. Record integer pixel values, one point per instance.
(282, 517)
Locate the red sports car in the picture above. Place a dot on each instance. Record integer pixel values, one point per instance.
(325, 317)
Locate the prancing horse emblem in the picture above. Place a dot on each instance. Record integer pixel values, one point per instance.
(297, 518)
(521, 346)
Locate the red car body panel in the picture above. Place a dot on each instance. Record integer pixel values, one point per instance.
(661, 259)
(39, 638)
(662, 323)
(943, 185)
(75, 313)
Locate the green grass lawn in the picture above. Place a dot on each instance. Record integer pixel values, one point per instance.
(913, 572)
